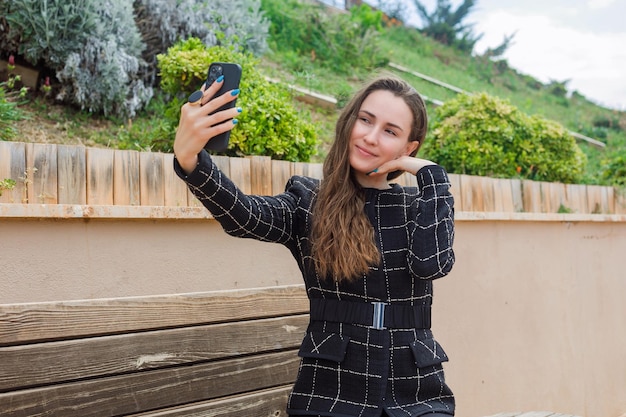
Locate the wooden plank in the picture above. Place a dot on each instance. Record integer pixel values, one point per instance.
(269, 403)
(620, 201)
(503, 195)
(151, 179)
(576, 195)
(72, 169)
(175, 189)
(100, 170)
(41, 168)
(298, 168)
(517, 194)
(455, 189)
(31, 322)
(553, 197)
(281, 172)
(240, 174)
(13, 166)
(153, 389)
(531, 194)
(314, 170)
(260, 175)
(56, 362)
(477, 193)
(488, 192)
(126, 183)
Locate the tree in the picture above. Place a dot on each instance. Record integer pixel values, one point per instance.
(446, 25)
(498, 51)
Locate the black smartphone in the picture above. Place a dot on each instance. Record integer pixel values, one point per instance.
(232, 77)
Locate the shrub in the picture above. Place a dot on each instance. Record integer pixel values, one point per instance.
(483, 135)
(94, 48)
(98, 53)
(9, 114)
(237, 23)
(269, 124)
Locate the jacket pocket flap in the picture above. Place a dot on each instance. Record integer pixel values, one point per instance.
(428, 352)
(319, 345)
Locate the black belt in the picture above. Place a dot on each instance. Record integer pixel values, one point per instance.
(376, 315)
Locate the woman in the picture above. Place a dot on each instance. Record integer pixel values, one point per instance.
(368, 250)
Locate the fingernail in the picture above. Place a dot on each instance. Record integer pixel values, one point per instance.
(234, 92)
(239, 109)
(219, 79)
(372, 171)
(235, 121)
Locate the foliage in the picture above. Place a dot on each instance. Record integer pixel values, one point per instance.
(613, 169)
(339, 41)
(98, 53)
(483, 135)
(9, 114)
(239, 24)
(6, 184)
(94, 48)
(269, 125)
(446, 25)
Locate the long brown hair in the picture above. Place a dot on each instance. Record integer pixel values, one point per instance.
(342, 236)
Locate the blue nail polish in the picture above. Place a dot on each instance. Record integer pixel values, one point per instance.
(372, 171)
(235, 121)
(219, 79)
(234, 92)
(239, 109)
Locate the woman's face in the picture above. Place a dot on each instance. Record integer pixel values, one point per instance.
(380, 134)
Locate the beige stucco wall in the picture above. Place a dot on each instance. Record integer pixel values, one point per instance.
(533, 315)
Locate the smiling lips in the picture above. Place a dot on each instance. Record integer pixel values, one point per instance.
(365, 152)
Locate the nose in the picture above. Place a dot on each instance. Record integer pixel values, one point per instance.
(371, 136)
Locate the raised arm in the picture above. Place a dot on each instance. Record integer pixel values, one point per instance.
(431, 255)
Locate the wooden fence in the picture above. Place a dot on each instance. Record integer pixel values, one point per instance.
(64, 174)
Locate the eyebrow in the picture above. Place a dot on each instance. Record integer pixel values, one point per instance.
(374, 116)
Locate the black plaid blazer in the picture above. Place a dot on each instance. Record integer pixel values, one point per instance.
(352, 369)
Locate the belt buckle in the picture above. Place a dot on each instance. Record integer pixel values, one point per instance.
(378, 318)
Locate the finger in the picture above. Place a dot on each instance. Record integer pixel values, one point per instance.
(214, 131)
(215, 103)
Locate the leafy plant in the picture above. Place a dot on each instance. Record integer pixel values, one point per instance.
(446, 25)
(237, 23)
(483, 135)
(9, 114)
(6, 184)
(269, 124)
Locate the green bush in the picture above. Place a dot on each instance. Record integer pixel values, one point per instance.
(269, 125)
(9, 114)
(239, 24)
(338, 40)
(483, 135)
(104, 53)
(614, 168)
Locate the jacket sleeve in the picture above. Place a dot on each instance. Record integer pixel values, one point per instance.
(431, 255)
(265, 218)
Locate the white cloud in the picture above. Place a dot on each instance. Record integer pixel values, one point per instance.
(599, 4)
(594, 63)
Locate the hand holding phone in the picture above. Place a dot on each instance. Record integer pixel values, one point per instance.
(232, 77)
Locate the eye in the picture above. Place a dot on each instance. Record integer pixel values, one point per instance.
(391, 132)
(364, 119)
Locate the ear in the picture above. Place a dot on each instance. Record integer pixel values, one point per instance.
(411, 147)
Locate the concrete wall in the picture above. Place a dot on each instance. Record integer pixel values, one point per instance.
(532, 316)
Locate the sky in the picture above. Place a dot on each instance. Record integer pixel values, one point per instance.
(583, 41)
